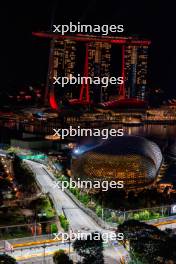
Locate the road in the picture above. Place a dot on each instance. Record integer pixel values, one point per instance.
(41, 251)
(37, 254)
(78, 219)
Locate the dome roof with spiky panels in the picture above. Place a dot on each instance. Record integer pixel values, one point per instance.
(131, 159)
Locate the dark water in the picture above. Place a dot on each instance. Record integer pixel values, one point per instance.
(161, 134)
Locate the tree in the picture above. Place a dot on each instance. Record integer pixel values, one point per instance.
(24, 175)
(91, 248)
(6, 259)
(39, 204)
(134, 259)
(60, 257)
(5, 184)
(64, 222)
(148, 243)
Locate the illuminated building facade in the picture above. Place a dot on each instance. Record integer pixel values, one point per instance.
(63, 60)
(133, 160)
(136, 62)
(64, 64)
(64, 57)
(96, 63)
(99, 60)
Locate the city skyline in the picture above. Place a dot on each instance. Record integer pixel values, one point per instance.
(31, 57)
(88, 132)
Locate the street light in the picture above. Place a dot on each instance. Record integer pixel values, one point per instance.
(44, 247)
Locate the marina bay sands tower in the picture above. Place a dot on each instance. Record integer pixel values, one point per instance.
(91, 56)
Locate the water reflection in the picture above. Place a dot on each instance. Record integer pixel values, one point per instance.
(161, 134)
(156, 131)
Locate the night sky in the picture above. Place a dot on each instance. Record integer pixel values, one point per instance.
(24, 58)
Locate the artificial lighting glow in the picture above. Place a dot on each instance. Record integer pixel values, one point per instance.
(77, 151)
(71, 145)
(53, 137)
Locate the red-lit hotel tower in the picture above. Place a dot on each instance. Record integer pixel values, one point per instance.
(96, 62)
(61, 63)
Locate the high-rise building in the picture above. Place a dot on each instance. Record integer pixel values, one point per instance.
(63, 61)
(64, 64)
(99, 60)
(91, 56)
(64, 57)
(135, 71)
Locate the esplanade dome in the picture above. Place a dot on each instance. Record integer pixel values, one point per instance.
(131, 159)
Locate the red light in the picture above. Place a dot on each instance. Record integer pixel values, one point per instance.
(52, 99)
(91, 38)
